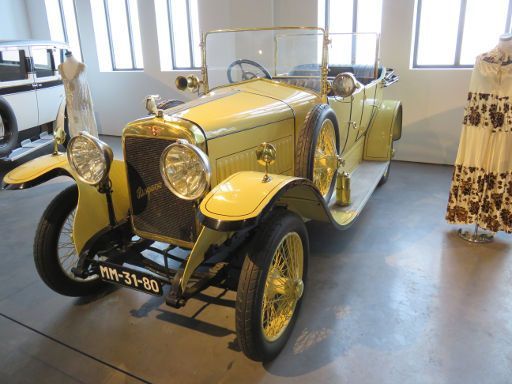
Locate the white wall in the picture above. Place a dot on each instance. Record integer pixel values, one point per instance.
(433, 99)
(118, 96)
(13, 20)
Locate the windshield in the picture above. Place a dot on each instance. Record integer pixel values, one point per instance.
(280, 54)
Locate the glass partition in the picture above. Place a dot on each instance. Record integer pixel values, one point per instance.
(235, 56)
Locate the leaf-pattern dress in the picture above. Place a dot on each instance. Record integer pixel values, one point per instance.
(481, 189)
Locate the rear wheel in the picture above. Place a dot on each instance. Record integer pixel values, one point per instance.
(54, 249)
(271, 285)
(385, 176)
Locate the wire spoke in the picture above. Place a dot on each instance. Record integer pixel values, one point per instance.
(280, 298)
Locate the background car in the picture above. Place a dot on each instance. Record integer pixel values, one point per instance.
(31, 95)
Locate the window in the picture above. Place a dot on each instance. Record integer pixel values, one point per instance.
(11, 65)
(452, 33)
(43, 62)
(62, 22)
(117, 30)
(177, 23)
(349, 16)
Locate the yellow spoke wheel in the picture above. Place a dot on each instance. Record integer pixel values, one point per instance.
(325, 160)
(283, 286)
(271, 284)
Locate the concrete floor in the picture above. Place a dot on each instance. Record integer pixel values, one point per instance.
(397, 298)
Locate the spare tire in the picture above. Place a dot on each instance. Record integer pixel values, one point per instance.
(8, 129)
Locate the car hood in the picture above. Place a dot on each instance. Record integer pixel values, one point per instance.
(242, 106)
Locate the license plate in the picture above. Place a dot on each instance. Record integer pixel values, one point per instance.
(130, 278)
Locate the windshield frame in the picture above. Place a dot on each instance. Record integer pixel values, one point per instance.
(324, 70)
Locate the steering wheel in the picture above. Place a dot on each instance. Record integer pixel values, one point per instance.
(247, 74)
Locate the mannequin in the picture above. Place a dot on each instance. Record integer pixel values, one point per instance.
(505, 43)
(78, 97)
(70, 65)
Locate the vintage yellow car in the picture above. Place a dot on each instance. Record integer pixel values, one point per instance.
(290, 126)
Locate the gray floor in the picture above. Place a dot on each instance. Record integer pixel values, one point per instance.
(397, 298)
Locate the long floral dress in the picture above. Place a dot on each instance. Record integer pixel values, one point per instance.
(78, 102)
(481, 190)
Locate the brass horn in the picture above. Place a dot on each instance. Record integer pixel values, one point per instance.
(190, 82)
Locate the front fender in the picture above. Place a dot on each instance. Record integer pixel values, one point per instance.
(37, 171)
(242, 200)
(91, 216)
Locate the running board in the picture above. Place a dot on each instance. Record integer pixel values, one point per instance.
(364, 179)
(28, 146)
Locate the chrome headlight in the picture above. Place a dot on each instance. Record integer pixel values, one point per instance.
(345, 84)
(185, 170)
(90, 158)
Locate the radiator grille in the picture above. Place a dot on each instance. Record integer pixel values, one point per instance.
(155, 209)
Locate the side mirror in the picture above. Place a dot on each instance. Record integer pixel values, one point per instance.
(345, 84)
(190, 82)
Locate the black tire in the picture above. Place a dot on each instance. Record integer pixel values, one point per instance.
(249, 299)
(385, 176)
(307, 141)
(46, 248)
(9, 137)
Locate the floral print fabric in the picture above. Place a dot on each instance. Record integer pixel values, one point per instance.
(481, 189)
(479, 196)
(489, 111)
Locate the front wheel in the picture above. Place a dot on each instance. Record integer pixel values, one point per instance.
(54, 249)
(271, 285)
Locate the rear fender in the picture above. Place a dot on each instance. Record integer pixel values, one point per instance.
(386, 128)
(91, 215)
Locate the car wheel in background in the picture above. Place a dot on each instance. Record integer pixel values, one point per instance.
(8, 130)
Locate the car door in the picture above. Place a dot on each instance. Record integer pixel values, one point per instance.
(49, 90)
(17, 87)
(348, 111)
(368, 107)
